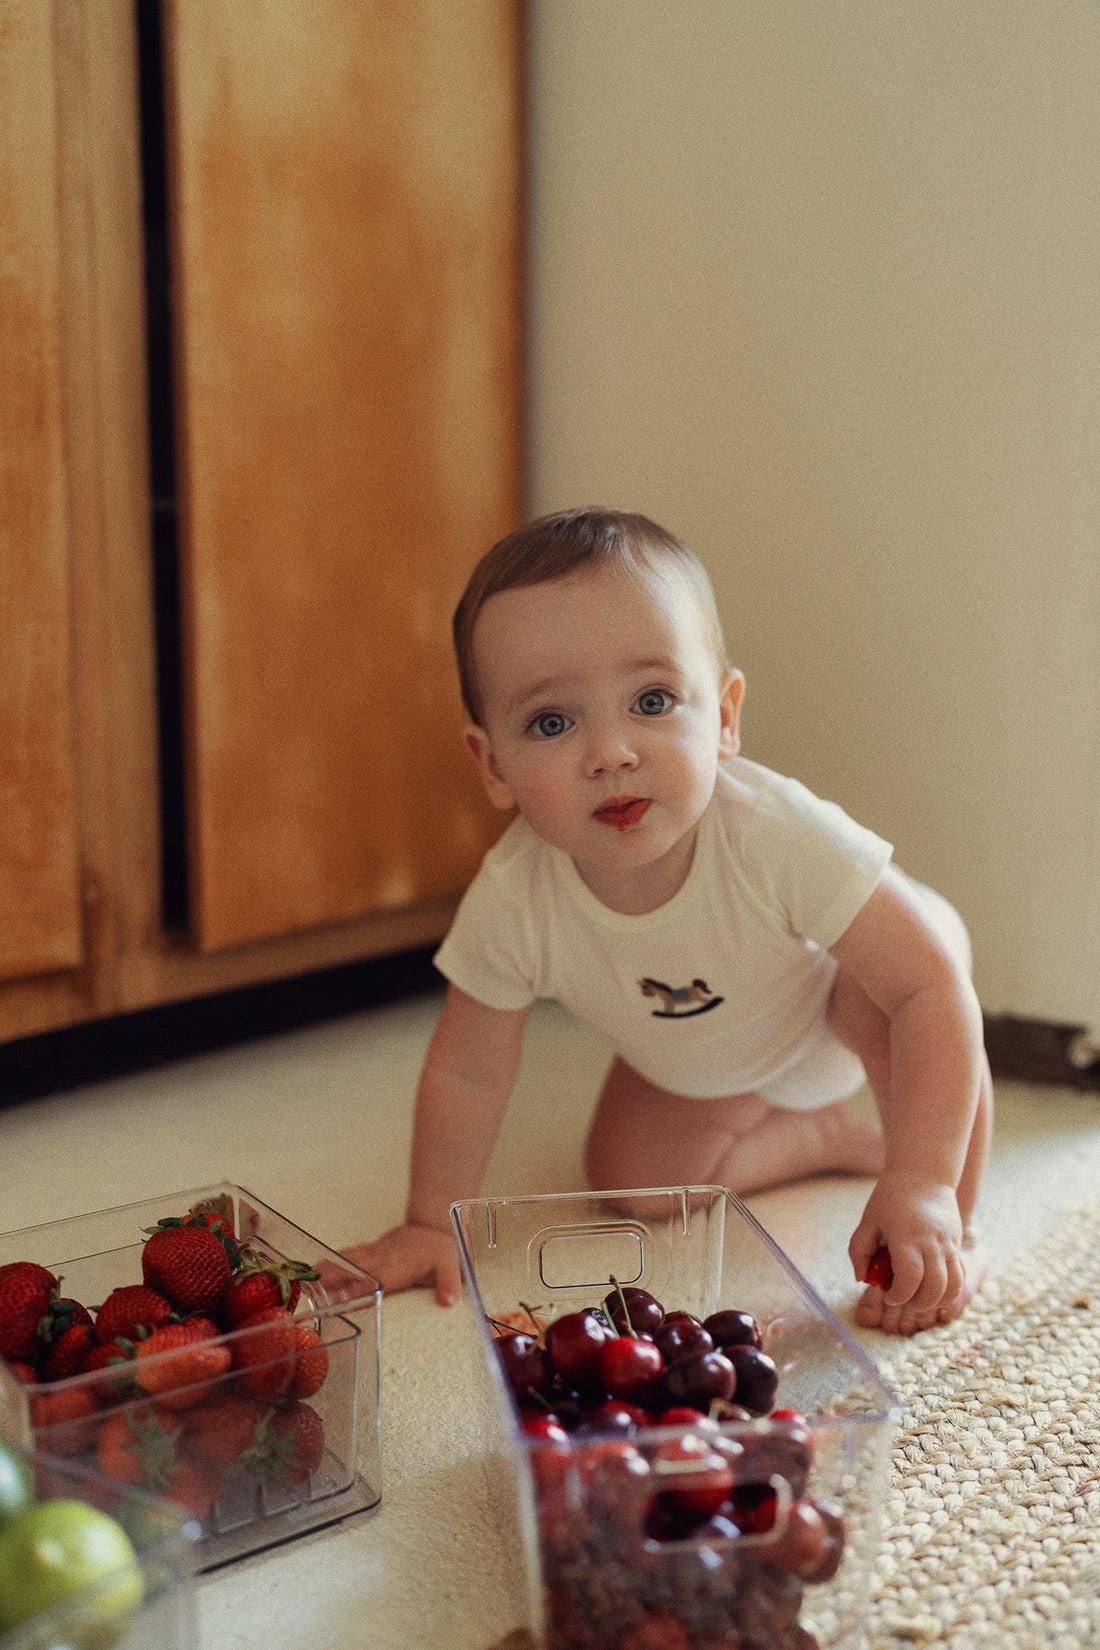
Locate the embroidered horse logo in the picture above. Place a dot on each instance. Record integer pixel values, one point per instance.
(679, 1002)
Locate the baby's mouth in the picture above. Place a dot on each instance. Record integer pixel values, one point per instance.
(622, 811)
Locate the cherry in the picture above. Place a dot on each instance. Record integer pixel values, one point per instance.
(633, 1310)
(629, 1365)
(880, 1269)
(573, 1344)
(802, 1545)
(718, 1527)
(754, 1507)
(526, 1366)
(681, 1415)
(615, 1416)
(544, 1426)
(705, 1478)
(733, 1329)
(757, 1378)
(833, 1519)
(617, 1481)
(700, 1377)
(675, 1337)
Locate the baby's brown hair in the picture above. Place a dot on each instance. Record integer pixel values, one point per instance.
(573, 541)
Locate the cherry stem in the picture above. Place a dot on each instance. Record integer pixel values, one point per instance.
(505, 1328)
(630, 1329)
(539, 1327)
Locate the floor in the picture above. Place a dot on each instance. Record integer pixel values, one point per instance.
(317, 1123)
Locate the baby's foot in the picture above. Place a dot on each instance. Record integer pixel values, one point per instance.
(872, 1311)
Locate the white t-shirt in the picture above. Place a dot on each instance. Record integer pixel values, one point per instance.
(718, 990)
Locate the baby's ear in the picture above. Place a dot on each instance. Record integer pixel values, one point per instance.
(497, 790)
(729, 706)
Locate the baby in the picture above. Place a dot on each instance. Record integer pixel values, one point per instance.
(748, 950)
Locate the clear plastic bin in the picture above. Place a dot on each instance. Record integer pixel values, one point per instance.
(164, 1539)
(594, 1573)
(93, 1254)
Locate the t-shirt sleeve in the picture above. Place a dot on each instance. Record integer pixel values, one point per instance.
(489, 951)
(821, 864)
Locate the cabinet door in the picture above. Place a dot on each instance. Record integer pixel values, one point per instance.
(344, 226)
(40, 906)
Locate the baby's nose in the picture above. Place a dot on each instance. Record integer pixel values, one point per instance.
(608, 752)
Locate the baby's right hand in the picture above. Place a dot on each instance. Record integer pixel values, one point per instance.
(409, 1257)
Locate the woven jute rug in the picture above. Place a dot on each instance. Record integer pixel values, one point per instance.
(992, 1527)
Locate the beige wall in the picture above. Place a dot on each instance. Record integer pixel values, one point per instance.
(817, 285)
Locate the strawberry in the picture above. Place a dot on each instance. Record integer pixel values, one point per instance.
(181, 1380)
(70, 1352)
(128, 1310)
(220, 1431)
(118, 1355)
(206, 1218)
(23, 1372)
(263, 1350)
(137, 1445)
(25, 1290)
(289, 1447)
(259, 1283)
(188, 1265)
(60, 1420)
(194, 1485)
(311, 1369)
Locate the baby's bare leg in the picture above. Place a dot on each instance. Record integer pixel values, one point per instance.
(642, 1135)
(865, 1030)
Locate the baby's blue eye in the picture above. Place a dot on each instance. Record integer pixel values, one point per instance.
(654, 702)
(548, 724)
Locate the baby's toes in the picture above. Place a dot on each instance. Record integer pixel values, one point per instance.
(869, 1307)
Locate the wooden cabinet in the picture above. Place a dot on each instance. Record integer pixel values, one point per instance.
(344, 251)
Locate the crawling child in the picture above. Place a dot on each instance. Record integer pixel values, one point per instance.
(749, 951)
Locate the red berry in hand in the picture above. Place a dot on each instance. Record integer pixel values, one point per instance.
(880, 1270)
(628, 1366)
(573, 1344)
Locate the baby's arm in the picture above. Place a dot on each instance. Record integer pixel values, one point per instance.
(929, 1107)
(469, 1072)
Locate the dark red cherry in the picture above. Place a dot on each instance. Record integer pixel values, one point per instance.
(733, 1329)
(754, 1507)
(526, 1366)
(833, 1519)
(718, 1527)
(677, 1338)
(573, 1344)
(615, 1416)
(641, 1312)
(802, 1545)
(699, 1378)
(757, 1378)
(628, 1367)
(694, 1477)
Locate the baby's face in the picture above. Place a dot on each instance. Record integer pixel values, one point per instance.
(605, 715)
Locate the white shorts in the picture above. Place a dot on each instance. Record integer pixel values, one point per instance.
(822, 1072)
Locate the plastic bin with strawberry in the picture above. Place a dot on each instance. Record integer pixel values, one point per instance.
(203, 1348)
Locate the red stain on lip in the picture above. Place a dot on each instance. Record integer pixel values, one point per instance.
(622, 811)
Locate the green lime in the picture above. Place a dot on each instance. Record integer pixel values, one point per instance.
(56, 1548)
(16, 1482)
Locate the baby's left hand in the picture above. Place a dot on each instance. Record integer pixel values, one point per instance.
(918, 1222)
